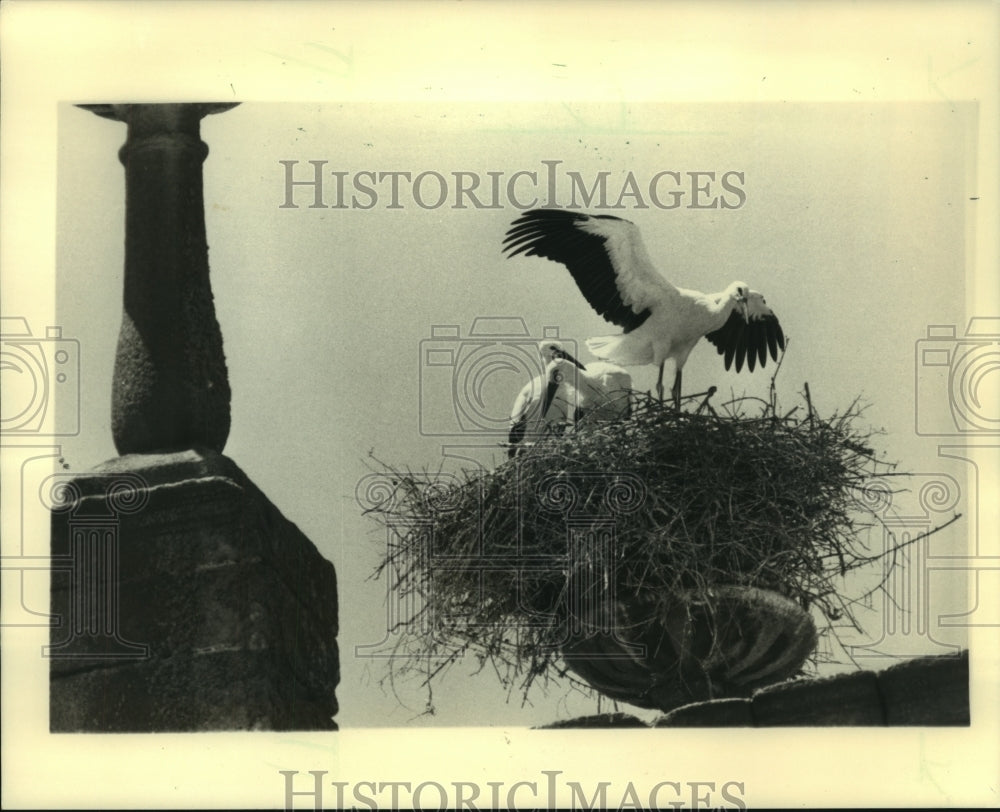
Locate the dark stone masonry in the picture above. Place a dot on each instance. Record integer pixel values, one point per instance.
(223, 615)
(927, 691)
(183, 599)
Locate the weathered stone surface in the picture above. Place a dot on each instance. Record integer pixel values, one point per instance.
(927, 691)
(722, 642)
(199, 511)
(717, 713)
(924, 691)
(222, 690)
(844, 699)
(612, 667)
(170, 389)
(206, 566)
(599, 720)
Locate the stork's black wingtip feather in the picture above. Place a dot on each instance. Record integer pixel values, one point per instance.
(555, 234)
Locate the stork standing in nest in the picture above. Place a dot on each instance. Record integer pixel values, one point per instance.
(565, 393)
(612, 269)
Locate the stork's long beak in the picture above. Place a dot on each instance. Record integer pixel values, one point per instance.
(570, 358)
(744, 305)
(550, 393)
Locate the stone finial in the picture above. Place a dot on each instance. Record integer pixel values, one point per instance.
(171, 389)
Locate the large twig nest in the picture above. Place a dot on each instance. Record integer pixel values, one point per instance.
(612, 527)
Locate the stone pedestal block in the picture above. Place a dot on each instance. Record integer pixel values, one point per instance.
(927, 691)
(187, 602)
(717, 713)
(723, 641)
(599, 720)
(844, 699)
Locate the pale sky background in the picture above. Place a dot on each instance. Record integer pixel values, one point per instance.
(854, 213)
(858, 228)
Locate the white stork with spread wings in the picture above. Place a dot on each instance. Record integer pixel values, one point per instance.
(609, 262)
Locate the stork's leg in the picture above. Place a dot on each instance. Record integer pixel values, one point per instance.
(676, 391)
(659, 383)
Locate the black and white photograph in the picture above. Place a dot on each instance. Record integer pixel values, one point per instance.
(466, 406)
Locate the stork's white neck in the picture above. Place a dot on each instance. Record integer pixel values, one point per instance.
(715, 306)
(722, 309)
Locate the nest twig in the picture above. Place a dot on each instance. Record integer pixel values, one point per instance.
(742, 493)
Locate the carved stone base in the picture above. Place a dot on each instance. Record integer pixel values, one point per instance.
(186, 602)
(725, 642)
(924, 691)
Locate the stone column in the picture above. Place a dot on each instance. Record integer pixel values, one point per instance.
(183, 600)
(170, 388)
